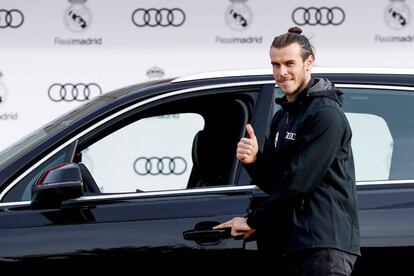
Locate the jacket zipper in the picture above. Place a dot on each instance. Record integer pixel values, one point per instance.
(287, 118)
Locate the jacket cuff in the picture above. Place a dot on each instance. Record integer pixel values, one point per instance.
(252, 168)
(251, 221)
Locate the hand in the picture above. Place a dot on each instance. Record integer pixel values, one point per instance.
(247, 148)
(239, 227)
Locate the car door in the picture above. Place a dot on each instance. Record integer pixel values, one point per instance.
(140, 200)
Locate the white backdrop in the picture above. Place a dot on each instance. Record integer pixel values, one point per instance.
(104, 42)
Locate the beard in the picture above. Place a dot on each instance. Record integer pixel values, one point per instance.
(300, 84)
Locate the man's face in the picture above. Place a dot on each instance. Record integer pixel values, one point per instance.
(291, 73)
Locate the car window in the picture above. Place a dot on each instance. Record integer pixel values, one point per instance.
(150, 154)
(372, 144)
(181, 143)
(188, 143)
(383, 132)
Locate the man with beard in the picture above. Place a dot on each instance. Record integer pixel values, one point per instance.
(307, 169)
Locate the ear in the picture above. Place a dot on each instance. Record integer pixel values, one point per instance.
(309, 62)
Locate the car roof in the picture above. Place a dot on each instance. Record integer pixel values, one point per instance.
(316, 70)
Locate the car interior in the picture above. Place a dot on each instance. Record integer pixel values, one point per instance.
(214, 147)
(213, 150)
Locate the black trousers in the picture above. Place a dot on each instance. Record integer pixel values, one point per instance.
(322, 262)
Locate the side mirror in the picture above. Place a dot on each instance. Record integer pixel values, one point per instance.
(57, 184)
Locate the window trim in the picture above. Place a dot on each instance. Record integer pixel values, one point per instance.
(119, 196)
(372, 86)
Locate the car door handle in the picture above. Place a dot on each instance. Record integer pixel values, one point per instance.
(208, 234)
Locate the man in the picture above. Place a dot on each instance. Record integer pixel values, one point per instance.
(306, 167)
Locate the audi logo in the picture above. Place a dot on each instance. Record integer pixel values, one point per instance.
(69, 92)
(160, 165)
(318, 16)
(11, 18)
(158, 17)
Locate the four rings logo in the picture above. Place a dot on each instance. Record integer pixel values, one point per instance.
(318, 16)
(11, 18)
(160, 165)
(69, 92)
(158, 17)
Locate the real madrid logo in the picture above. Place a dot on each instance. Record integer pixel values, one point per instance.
(3, 90)
(238, 15)
(155, 72)
(77, 16)
(397, 14)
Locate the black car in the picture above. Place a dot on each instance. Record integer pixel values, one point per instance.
(147, 170)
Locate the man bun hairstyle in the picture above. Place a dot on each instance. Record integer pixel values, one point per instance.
(296, 30)
(294, 36)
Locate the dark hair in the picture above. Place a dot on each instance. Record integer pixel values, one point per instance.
(294, 36)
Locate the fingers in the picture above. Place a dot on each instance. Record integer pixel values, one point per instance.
(227, 224)
(243, 154)
(246, 142)
(250, 131)
(223, 225)
(236, 233)
(246, 150)
(239, 227)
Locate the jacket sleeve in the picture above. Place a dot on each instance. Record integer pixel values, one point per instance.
(258, 170)
(318, 143)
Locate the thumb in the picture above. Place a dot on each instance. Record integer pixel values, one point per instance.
(250, 131)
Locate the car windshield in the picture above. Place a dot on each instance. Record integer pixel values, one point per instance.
(38, 136)
(16, 150)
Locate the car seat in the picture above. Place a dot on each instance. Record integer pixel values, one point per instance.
(214, 147)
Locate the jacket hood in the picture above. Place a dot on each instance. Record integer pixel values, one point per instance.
(316, 88)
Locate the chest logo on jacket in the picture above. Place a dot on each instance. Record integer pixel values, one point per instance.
(290, 136)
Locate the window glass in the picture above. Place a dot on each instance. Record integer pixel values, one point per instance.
(383, 133)
(150, 154)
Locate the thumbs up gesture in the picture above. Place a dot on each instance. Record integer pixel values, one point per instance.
(247, 148)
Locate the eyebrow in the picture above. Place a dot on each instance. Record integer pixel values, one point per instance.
(286, 62)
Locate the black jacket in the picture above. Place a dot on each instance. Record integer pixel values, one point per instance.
(307, 169)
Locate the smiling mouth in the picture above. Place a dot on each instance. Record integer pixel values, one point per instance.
(284, 81)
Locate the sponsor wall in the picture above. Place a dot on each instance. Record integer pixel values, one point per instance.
(58, 54)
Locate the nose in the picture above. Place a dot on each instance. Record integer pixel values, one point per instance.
(282, 70)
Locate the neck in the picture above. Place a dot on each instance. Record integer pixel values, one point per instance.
(293, 96)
